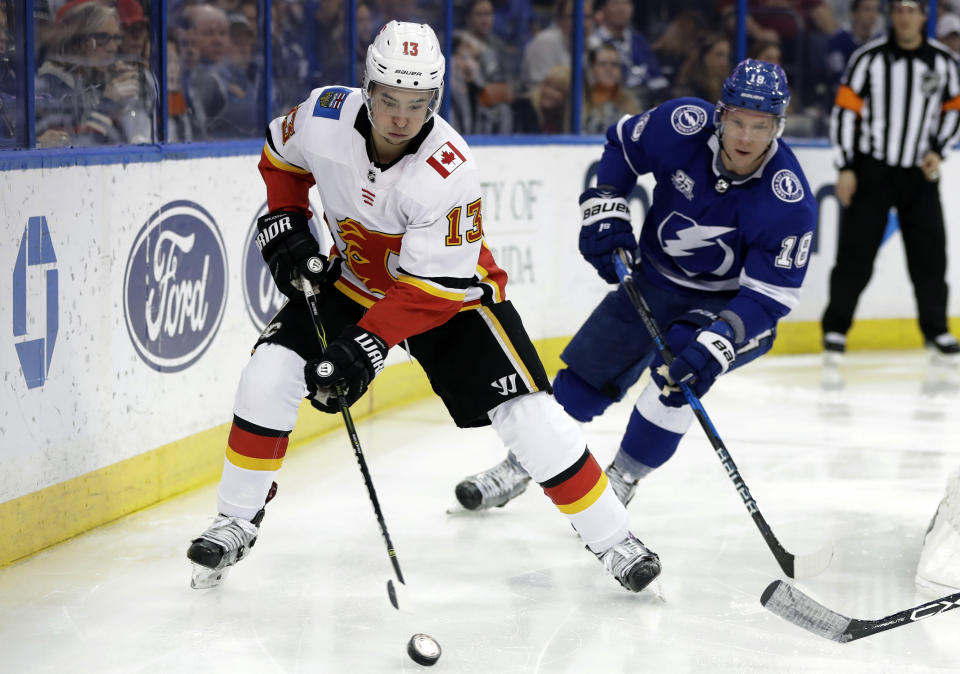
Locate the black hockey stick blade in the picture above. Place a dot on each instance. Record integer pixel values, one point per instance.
(392, 594)
(796, 607)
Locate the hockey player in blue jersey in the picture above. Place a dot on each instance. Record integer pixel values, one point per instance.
(722, 254)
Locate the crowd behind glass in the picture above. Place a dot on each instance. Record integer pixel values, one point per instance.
(96, 62)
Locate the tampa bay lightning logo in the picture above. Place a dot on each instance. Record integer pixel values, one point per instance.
(175, 286)
(260, 293)
(688, 119)
(640, 126)
(787, 186)
(696, 249)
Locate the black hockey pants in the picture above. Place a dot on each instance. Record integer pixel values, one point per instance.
(862, 224)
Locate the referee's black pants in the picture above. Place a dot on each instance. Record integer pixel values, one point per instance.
(862, 224)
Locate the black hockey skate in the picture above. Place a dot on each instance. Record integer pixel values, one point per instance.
(631, 563)
(493, 488)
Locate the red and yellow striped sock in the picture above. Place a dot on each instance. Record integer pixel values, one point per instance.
(583, 493)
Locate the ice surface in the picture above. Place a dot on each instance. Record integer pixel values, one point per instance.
(513, 590)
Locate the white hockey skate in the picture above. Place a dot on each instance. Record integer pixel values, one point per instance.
(495, 487)
(623, 485)
(631, 563)
(225, 542)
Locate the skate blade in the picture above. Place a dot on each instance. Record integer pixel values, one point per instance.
(204, 578)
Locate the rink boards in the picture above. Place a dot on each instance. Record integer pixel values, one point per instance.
(135, 293)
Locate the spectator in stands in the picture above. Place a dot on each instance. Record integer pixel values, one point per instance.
(551, 46)
(479, 23)
(365, 34)
(136, 31)
(179, 126)
(8, 80)
(208, 34)
(514, 21)
(417, 11)
(673, 46)
(653, 17)
(641, 72)
(783, 21)
(84, 94)
(251, 10)
(242, 72)
(802, 27)
(605, 98)
(494, 87)
(222, 99)
(948, 31)
(864, 25)
(289, 66)
(546, 109)
(766, 51)
(463, 89)
(330, 62)
(703, 74)
(482, 96)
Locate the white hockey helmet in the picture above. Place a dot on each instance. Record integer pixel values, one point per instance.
(405, 55)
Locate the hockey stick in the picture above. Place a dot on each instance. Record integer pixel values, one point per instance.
(792, 565)
(310, 293)
(794, 606)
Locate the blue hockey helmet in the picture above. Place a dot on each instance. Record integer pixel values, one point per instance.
(757, 86)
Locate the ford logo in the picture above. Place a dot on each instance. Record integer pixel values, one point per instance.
(175, 286)
(260, 293)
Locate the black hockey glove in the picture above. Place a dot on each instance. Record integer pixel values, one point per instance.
(352, 360)
(291, 252)
(605, 227)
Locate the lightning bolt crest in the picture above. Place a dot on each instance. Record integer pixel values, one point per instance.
(689, 239)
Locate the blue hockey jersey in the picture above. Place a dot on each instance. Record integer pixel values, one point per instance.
(707, 231)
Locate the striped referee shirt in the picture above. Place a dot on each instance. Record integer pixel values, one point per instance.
(896, 105)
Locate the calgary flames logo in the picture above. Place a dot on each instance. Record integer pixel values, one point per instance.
(286, 129)
(367, 254)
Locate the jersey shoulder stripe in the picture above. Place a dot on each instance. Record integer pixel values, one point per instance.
(276, 161)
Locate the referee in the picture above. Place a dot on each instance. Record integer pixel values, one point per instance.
(896, 114)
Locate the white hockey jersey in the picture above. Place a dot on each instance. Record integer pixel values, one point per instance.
(410, 234)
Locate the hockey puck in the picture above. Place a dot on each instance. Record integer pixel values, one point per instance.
(423, 649)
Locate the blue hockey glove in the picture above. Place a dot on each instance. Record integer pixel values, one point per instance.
(670, 393)
(291, 252)
(677, 337)
(352, 360)
(605, 227)
(705, 358)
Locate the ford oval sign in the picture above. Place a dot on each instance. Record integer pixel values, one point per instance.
(175, 286)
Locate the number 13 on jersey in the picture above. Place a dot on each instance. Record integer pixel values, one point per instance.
(474, 234)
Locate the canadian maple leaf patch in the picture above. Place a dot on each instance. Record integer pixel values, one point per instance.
(446, 159)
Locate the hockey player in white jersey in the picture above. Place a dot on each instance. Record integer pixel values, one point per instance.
(408, 266)
(723, 251)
